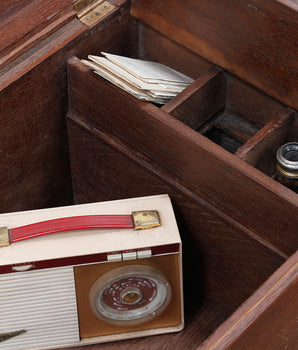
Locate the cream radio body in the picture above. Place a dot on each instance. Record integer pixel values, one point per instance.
(92, 285)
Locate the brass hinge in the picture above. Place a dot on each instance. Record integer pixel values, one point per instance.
(90, 12)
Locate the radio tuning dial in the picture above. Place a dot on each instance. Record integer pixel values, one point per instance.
(130, 295)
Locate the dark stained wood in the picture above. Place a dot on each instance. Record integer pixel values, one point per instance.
(188, 339)
(220, 137)
(32, 39)
(223, 264)
(33, 103)
(267, 320)
(251, 104)
(26, 27)
(225, 109)
(98, 180)
(237, 225)
(260, 150)
(235, 126)
(9, 8)
(36, 55)
(157, 47)
(255, 41)
(182, 154)
(34, 164)
(277, 325)
(199, 101)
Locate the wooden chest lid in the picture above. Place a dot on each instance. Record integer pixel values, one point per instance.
(25, 23)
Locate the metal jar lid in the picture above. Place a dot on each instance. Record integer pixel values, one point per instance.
(287, 160)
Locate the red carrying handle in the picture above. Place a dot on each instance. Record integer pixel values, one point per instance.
(69, 224)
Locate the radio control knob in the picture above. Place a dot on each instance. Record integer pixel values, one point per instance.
(114, 257)
(129, 256)
(144, 254)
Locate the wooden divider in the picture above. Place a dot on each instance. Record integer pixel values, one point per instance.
(260, 150)
(179, 152)
(199, 101)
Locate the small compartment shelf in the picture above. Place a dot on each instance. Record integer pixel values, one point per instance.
(260, 150)
(234, 115)
(218, 105)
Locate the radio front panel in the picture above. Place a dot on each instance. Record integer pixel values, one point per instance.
(87, 276)
(38, 309)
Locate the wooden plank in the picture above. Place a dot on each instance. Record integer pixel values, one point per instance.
(33, 103)
(26, 27)
(199, 101)
(251, 104)
(9, 8)
(170, 53)
(182, 154)
(251, 40)
(267, 320)
(260, 150)
(235, 126)
(223, 263)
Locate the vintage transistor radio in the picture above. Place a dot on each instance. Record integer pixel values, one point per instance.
(102, 278)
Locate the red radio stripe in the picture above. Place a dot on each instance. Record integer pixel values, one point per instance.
(86, 259)
(69, 224)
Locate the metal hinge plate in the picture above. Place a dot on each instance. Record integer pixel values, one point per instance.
(90, 12)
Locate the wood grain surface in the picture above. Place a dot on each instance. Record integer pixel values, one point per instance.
(33, 104)
(24, 26)
(193, 161)
(200, 101)
(155, 46)
(251, 104)
(237, 225)
(9, 8)
(260, 150)
(267, 320)
(223, 264)
(256, 41)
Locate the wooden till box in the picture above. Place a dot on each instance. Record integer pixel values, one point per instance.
(211, 148)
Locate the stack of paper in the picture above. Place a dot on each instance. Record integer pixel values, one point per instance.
(150, 81)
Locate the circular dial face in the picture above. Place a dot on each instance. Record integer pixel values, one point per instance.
(130, 295)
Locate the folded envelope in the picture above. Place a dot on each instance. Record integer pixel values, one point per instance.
(149, 81)
(133, 80)
(148, 71)
(141, 95)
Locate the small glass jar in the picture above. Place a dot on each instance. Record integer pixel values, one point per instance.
(287, 165)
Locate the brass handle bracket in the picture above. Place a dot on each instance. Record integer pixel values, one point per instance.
(145, 219)
(4, 237)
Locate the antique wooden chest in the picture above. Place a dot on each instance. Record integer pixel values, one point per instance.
(68, 136)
